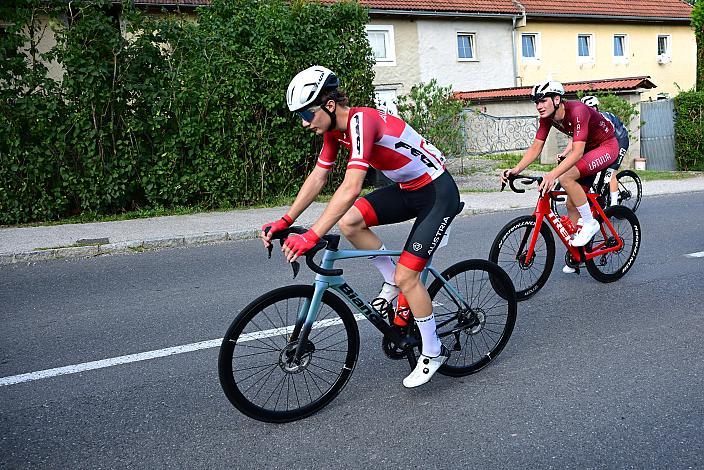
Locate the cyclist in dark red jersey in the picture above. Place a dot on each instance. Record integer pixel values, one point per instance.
(594, 147)
(422, 189)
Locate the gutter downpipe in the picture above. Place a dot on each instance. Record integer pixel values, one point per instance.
(513, 39)
(515, 58)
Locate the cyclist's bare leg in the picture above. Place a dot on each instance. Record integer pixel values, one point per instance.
(572, 212)
(354, 228)
(574, 190)
(434, 354)
(414, 291)
(613, 189)
(419, 301)
(613, 184)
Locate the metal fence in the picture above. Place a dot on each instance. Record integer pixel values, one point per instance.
(657, 135)
(492, 134)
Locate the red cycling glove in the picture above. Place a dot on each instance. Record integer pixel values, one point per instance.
(277, 226)
(299, 244)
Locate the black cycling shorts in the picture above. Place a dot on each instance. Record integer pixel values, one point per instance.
(433, 206)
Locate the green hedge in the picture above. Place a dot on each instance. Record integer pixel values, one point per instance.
(689, 130)
(165, 110)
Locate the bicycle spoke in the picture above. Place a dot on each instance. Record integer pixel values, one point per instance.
(264, 378)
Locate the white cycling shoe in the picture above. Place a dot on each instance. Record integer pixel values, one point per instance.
(588, 230)
(426, 367)
(568, 270)
(384, 300)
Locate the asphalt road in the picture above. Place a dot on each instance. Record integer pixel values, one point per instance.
(595, 375)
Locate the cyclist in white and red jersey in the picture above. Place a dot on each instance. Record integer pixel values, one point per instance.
(594, 147)
(422, 189)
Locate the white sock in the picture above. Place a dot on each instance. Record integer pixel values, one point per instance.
(431, 342)
(385, 265)
(586, 213)
(614, 198)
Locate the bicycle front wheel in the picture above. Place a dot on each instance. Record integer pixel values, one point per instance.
(614, 265)
(510, 249)
(630, 189)
(558, 204)
(476, 327)
(256, 364)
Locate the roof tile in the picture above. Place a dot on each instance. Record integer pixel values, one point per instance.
(611, 84)
(615, 8)
(460, 6)
(464, 6)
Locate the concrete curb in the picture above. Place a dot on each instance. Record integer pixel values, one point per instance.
(130, 246)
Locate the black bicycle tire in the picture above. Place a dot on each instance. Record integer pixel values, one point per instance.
(523, 293)
(226, 375)
(639, 185)
(498, 277)
(619, 212)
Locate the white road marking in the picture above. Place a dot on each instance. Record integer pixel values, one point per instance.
(144, 356)
(699, 254)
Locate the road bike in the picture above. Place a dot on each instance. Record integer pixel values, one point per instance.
(291, 351)
(525, 247)
(630, 191)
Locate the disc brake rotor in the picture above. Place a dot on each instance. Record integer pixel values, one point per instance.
(286, 358)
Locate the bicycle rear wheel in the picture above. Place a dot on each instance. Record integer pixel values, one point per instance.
(255, 366)
(509, 252)
(630, 189)
(614, 265)
(476, 327)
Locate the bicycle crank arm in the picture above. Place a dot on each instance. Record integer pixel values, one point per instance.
(412, 361)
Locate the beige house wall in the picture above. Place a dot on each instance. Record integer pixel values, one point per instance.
(45, 34)
(493, 66)
(425, 48)
(406, 71)
(557, 51)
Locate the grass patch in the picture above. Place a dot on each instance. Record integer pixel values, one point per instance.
(480, 190)
(653, 175)
(504, 161)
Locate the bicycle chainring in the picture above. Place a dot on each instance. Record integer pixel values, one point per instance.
(570, 261)
(395, 352)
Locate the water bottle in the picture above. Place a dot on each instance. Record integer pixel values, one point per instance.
(403, 312)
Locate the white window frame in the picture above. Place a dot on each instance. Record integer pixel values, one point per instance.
(475, 54)
(592, 49)
(667, 56)
(536, 46)
(388, 31)
(626, 49)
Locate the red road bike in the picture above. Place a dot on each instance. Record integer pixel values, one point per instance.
(525, 247)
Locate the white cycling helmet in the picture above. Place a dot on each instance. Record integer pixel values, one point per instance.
(305, 88)
(591, 101)
(547, 88)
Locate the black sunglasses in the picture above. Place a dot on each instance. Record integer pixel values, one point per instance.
(308, 114)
